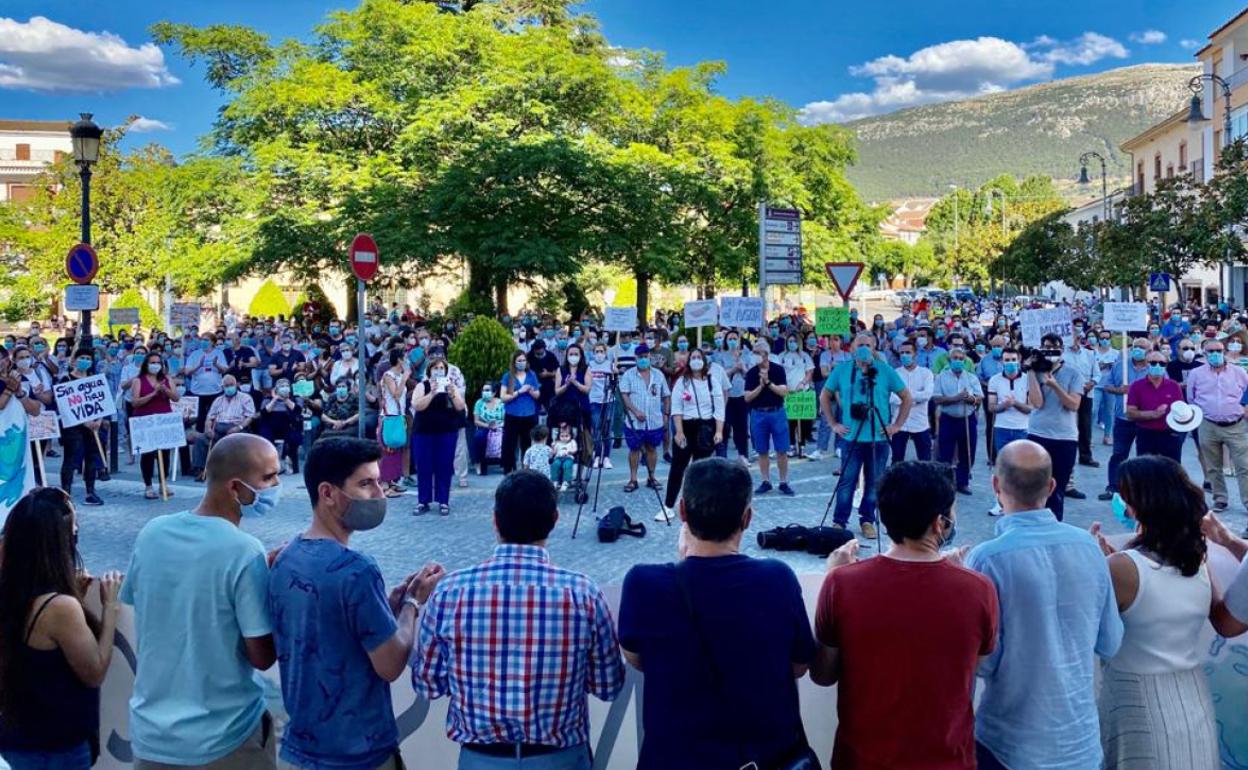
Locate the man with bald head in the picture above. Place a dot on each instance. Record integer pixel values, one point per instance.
(1058, 612)
(198, 585)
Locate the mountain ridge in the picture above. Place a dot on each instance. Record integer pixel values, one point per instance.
(1038, 129)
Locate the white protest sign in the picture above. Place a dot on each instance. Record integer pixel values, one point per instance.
(43, 427)
(701, 313)
(184, 315)
(157, 431)
(188, 407)
(1126, 316)
(82, 400)
(1050, 320)
(123, 316)
(741, 312)
(620, 319)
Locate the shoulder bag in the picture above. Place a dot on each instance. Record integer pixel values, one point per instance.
(704, 440)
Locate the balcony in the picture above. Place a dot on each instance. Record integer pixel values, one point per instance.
(1238, 78)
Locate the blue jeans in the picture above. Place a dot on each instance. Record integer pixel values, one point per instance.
(1103, 410)
(1002, 436)
(562, 470)
(597, 412)
(869, 458)
(957, 437)
(78, 758)
(575, 758)
(1063, 453)
(434, 457)
(922, 445)
(1124, 437)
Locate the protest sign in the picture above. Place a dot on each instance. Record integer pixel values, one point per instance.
(800, 405)
(82, 400)
(123, 316)
(184, 315)
(701, 313)
(620, 319)
(1126, 316)
(188, 406)
(831, 320)
(741, 312)
(1051, 320)
(157, 431)
(43, 427)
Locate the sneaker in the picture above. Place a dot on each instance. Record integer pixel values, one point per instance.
(563, 487)
(92, 499)
(665, 514)
(286, 467)
(1220, 505)
(421, 509)
(995, 510)
(1075, 494)
(606, 463)
(444, 510)
(1106, 495)
(103, 475)
(814, 454)
(785, 489)
(837, 525)
(869, 531)
(1207, 487)
(597, 462)
(763, 488)
(793, 453)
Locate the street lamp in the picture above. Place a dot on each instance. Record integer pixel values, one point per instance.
(1083, 179)
(86, 140)
(992, 278)
(1195, 117)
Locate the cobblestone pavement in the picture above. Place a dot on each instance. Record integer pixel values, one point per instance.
(404, 542)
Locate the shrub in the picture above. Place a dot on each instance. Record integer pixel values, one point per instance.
(314, 293)
(483, 352)
(467, 304)
(269, 301)
(147, 316)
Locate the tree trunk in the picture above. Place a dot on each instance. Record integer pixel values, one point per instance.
(500, 296)
(353, 305)
(643, 299)
(480, 282)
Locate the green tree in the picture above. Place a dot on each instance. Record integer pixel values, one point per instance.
(269, 301)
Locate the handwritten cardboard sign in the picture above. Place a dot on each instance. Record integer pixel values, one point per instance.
(83, 400)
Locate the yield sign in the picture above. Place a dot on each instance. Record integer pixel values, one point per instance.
(844, 275)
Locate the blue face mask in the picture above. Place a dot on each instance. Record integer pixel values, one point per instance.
(563, 344)
(996, 352)
(734, 343)
(1216, 359)
(957, 365)
(863, 354)
(792, 345)
(83, 364)
(643, 364)
(1137, 354)
(979, 348)
(907, 359)
(950, 534)
(1119, 507)
(1011, 368)
(682, 344)
(137, 358)
(940, 334)
(1156, 370)
(264, 502)
(342, 393)
(231, 391)
(626, 346)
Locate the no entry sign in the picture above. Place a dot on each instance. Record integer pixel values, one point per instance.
(364, 257)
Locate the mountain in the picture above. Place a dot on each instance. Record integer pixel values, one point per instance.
(1040, 129)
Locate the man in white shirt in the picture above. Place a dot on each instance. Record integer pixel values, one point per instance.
(647, 403)
(1083, 360)
(957, 394)
(1007, 400)
(919, 382)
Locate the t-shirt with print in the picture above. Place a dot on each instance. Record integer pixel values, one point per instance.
(330, 610)
(537, 458)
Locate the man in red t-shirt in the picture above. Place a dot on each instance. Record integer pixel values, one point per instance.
(903, 633)
(1148, 402)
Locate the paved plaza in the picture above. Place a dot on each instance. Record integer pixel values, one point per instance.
(405, 542)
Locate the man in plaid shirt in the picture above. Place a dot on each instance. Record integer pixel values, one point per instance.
(518, 644)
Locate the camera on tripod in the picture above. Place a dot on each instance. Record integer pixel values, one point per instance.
(1041, 361)
(860, 411)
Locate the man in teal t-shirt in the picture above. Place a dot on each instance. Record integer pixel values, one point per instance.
(856, 386)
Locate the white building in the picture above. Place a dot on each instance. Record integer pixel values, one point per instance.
(26, 148)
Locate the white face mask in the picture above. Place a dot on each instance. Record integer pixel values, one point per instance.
(574, 360)
(1187, 355)
(697, 364)
(600, 358)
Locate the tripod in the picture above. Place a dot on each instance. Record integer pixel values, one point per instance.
(868, 462)
(601, 438)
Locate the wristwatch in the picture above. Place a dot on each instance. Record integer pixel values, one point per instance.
(413, 602)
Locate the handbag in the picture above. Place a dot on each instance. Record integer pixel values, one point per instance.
(801, 756)
(394, 431)
(615, 523)
(704, 439)
(494, 444)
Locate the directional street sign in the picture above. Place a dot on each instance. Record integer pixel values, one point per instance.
(364, 258)
(1159, 282)
(780, 246)
(844, 276)
(82, 297)
(81, 264)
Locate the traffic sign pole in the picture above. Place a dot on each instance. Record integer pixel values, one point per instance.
(363, 354)
(365, 260)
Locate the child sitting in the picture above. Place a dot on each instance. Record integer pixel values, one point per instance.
(562, 468)
(537, 457)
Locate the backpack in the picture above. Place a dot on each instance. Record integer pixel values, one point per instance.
(615, 523)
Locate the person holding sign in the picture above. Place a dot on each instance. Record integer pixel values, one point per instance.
(152, 392)
(80, 441)
(17, 405)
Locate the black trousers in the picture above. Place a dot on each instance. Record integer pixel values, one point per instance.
(516, 432)
(79, 445)
(147, 464)
(682, 456)
(1084, 421)
(1063, 455)
(990, 423)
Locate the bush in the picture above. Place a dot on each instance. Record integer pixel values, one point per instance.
(467, 304)
(483, 352)
(147, 316)
(269, 301)
(314, 293)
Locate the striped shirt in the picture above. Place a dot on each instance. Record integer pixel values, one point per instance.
(517, 644)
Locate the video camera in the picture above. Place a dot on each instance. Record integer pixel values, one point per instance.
(1040, 361)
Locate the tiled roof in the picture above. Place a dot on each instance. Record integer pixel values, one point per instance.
(57, 126)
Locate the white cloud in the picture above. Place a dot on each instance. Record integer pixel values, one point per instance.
(141, 125)
(44, 55)
(1148, 37)
(958, 69)
(1189, 43)
(1088, 48)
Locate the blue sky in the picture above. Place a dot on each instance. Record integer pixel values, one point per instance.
(835, 60)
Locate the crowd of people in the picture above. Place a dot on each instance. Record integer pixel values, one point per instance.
(517, 644)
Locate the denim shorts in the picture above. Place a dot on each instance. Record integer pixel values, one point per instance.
(769, 430)
(637, 438)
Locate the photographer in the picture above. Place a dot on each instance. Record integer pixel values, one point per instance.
(861, 387)
(1055, 391)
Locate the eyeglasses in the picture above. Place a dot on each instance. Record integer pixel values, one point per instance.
(1186, 347)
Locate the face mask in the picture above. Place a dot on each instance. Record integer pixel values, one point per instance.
(562, 344)
(1156, 370)
(907, 359)
(950, 534)
(41, 346)
(303, 388)
(1119, 507)
(863, 355)
(154, 368)
(940, 334)
(734, 343)
(1154, 332)
(1216, 359)
(643, 364)
(1104, 343)
(264, 502)
(792, 346)
(573, 360)
(1011, 368)
(231, 391)
(719, 342)
(650, 344)
(347, 355)
(1235, 347)
(25, 364)
(1187, 355)
(364, 514)
(682, 345)
(522, 365)
(283, 391)
(812, 342)
(487, 394)
(286, 346)
(921, 342)
(83, 364)
(334, 330)
(112, 352)
(980, 349)
(697, 364)
(957, 365)
(181, 390)
(626, 346)
(773, 331)
(997, 351)
(1137, 354)
(9, 344)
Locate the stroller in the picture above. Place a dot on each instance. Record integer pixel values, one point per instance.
(569, 416)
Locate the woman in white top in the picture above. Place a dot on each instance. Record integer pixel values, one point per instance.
(393, 399)
(698, 413)
(346, 366)
(1156, 711)
(799, 372)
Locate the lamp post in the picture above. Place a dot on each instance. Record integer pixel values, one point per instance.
(1197, 116)
(992, 278)
(86, 140)
(1083, 179)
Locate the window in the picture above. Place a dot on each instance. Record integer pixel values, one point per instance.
(1182, 154)
(23, 152)
(1156, 168)
(21, 192)
(1139, 182)
(1169, 170)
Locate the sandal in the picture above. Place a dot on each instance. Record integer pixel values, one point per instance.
(630, 486)
(150, 495)
(653, 483)
(392, 492)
